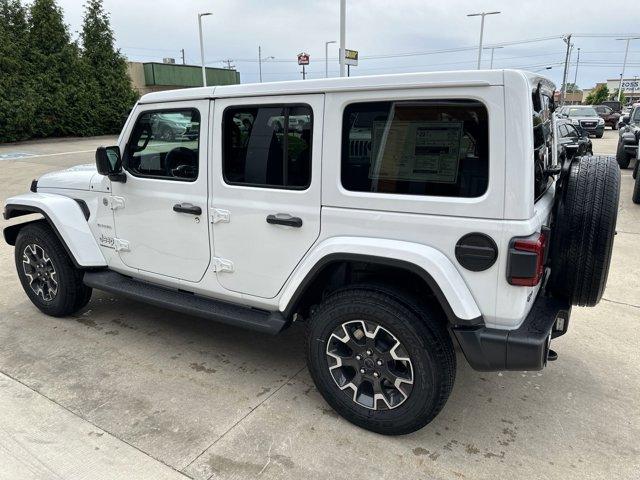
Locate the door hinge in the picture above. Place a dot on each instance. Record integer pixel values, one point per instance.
(222, 265)
(220, 215)
(114, 202)
(121, 245)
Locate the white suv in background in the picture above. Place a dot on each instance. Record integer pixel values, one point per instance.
(395, 215)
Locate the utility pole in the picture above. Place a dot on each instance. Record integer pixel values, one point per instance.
(343, 17)
(228, 62)
(575, 78)
(481, 14)
(492, 51)
(326, 58)
(182, 52)
(624, 64)
(566, 39)
(204, 71)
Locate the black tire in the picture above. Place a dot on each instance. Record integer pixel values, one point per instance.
(636, 187)
(599, 135)
(70, 293)
(614, 126)
(635, 169)
(583, 231)
(622, 157)
(421, 332)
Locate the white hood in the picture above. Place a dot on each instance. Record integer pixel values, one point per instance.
(76, 178)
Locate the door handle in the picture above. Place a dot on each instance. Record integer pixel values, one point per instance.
(284, 219)
(187, 208)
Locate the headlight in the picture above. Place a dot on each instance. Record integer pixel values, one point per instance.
(575, 121)
(600, 121)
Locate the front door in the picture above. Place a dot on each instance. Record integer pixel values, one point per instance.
(265, 202)
(160, 211)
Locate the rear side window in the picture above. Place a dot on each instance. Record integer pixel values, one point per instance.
(164, 144)
(431, 147)
(542, 141)
(267, 146)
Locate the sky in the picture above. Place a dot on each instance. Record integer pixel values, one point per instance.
(392, 36)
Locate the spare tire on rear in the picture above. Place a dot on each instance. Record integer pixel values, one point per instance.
(583, 229)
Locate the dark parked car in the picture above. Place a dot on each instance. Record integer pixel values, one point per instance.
(629, 137)
(583, 116)
(573, 140)
(613, 105)
(609, 116)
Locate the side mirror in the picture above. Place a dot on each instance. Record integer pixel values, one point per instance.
(109, 163)
(625, 119)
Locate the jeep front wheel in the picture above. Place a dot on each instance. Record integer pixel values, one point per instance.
(380, 360)
(46, 272)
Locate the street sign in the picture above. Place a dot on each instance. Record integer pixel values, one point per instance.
(303, 58)
(351, 57)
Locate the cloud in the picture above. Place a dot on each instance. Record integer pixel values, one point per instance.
(148, 30)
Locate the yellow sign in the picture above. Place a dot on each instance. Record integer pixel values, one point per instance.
(351, 57)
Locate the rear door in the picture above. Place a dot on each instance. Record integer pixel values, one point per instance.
(265, 202)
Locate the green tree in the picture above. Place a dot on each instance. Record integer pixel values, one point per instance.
(62, 102)
(106, 68)
(598, 95)
(17, 89)
(572, 87)
(623, 98)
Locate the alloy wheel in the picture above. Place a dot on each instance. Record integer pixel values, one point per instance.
(370, 365)
(40, 272)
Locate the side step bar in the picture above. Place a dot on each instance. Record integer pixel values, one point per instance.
(184, 302)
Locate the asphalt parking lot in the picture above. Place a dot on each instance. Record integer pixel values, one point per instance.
(125, 390)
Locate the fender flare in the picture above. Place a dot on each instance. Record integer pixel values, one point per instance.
(432, 265)
(67, 218)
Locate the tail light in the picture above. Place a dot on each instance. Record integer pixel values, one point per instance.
(525, 266)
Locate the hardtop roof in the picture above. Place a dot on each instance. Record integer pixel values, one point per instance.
(465, 78)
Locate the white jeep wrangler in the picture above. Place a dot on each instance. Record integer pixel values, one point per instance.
(394, 214)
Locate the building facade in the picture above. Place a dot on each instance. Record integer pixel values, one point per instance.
(154, 76)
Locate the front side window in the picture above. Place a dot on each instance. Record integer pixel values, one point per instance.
(268, 146)
(164, 145)
(431, 147)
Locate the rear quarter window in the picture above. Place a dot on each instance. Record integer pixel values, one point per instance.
(430, 147)
(542, 141)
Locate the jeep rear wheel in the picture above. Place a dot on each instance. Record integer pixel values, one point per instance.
(46, 272)
(583, 230)
(380, 360)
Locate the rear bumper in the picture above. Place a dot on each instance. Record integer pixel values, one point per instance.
(490, 349)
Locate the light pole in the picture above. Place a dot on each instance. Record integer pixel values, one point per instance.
(492, 50)
(575, 78)
(481, 14)
(204, 72)
(326, 58)
(343, 19)
(260, 61)
(624, 64)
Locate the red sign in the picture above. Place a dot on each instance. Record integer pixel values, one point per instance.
(303, 59)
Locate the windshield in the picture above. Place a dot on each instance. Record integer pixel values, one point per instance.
(582, 112)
